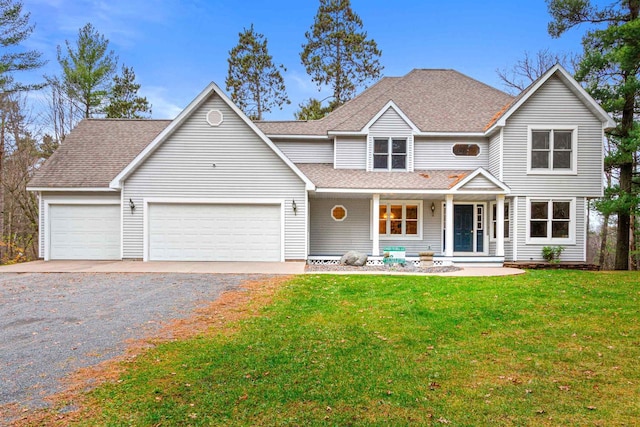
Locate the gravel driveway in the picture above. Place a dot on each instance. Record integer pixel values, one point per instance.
(53, 324)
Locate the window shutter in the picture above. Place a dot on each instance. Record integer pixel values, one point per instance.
(410, 153)
(369, 163)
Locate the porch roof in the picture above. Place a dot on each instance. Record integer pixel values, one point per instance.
(323, 175)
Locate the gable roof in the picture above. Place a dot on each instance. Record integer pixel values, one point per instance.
(95, 152)
(433, 100)
(500, 118)
(211, 89)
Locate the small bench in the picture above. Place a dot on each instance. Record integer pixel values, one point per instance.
(394, 255)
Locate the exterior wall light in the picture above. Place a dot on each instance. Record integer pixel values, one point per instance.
(433, 209)
(132, 205)
(294, 207)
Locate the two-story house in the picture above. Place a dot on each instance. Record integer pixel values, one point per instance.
(433, 160)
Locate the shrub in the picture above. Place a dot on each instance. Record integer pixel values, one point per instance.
(552, 253)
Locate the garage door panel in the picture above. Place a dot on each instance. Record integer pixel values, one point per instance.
(210, 232)
(84, 232)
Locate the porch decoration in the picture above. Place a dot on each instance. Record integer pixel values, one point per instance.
(426, 259)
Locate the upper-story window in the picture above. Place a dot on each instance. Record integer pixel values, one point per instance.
(466, 150)
(552, 150)
(390, 154)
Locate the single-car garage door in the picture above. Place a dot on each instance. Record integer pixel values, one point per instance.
(214, 232)
(84, 231)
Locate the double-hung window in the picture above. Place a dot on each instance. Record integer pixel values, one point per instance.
(390, 154)
(551, 221)
(552, 150)
(401, 219)
(494, 219)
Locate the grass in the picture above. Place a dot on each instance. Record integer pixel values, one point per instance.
(545, 348)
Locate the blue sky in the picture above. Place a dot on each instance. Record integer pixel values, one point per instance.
(177, 47)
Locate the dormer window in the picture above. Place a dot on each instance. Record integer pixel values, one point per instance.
(390, 154)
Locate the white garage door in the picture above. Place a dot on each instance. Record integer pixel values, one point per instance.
(84, 232)
(206, 232)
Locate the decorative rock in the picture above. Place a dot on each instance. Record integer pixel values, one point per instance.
(354, 258)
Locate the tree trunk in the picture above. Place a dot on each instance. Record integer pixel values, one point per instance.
(624, 220)
(604, 234)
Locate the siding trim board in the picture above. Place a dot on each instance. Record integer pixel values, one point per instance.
(383, 111)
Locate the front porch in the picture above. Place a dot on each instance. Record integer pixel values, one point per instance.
(438, 261)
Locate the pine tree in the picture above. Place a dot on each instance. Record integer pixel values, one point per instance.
(123, 99)
(312, 109)
(14, 30)
(610, 69)
(87, 69)
(338, 53)
(255, 82)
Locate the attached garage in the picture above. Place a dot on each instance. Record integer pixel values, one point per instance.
(214, 232)
(78, 231)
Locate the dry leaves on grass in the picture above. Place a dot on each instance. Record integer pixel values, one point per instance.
(219, 316)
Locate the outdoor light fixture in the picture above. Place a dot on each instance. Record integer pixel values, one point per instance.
(132, 205)
(294, 207)
(433, 209)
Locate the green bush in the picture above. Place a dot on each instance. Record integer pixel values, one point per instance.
(552, 253)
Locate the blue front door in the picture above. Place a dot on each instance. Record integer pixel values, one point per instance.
(463, 228)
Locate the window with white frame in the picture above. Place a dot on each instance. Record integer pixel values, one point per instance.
(494, 219)
(402, 219)
(551, 220)
(390, 154)
(552, 150)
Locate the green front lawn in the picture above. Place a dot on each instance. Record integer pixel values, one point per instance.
(545, 348)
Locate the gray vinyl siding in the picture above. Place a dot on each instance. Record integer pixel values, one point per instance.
(351, 153)
(390, 125)
(437, 154)
(329, 237)
(245, 169)
(73, 197)
(479, 183)
(307, 151)
(494, 155)
(555, 105)
(533, 252)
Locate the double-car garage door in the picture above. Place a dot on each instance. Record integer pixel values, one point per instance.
(214, 232)
(175, 232)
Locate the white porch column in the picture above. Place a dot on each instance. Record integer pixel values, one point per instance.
(500, 225)
(448, 251)
(375, 224)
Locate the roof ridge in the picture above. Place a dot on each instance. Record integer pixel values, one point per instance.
(123, 119)
(483, 83)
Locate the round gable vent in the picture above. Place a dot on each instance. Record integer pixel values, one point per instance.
(214, 117)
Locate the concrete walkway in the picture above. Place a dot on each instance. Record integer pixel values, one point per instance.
(293, 267)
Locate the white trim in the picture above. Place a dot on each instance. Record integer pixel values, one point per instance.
(604, 116)
(388, 237)
(122, 222)
(485, 227)
(491, 205)
(335, 149)
(452, 134)
(515, 227)
(178, 121)
(40, 221)
(552, 129)
(306, 225)
(425, 192)
(73, 189)
(586, 231)
(382, 111)
(501, 160)
(346, 213)
(484, 173)
(298, 137)
(466, 143)
(209, 201)
(68, 201)
(375, 220)
(571, 240)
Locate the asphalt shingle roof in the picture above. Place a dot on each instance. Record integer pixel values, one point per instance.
(323, 175)
(96, 151)
(434, 100)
